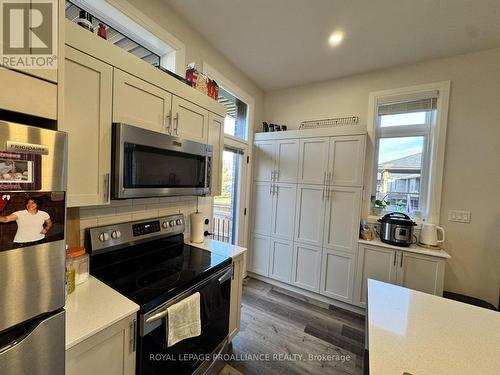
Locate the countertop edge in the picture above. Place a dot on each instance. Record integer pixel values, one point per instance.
(411, 249)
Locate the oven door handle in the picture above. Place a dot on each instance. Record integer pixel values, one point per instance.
(160, 315)
(226, 276)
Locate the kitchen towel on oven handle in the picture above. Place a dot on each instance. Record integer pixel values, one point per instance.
(183, 320)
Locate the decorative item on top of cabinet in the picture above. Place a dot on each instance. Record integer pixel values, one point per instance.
(87, 120)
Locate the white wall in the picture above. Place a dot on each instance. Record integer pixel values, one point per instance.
(471, 178)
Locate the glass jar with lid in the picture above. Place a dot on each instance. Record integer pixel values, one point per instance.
(80, 262)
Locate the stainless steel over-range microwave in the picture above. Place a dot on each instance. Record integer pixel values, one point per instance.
(151, 164)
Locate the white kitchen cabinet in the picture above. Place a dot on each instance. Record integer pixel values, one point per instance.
(139, 103)
(264, 160)
(283, 211)
(337, 275)
(286, 160)
(309, 214)
(346, 160)
(306, 267)
(258, 261)
(87, 110)
(415, 271)
(190, 121)
(263, 207)
(313, 160)
(216, 139)
(111, 351)
(420, 272)
(280, 260)
(236, 293)
(343, 209)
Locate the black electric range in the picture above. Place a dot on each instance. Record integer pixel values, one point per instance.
(148, 262)
(153, 267)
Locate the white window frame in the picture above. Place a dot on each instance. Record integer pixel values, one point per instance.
(128, 20)
(235, 142)
(432, 154)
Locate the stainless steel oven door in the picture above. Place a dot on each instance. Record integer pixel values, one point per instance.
(195, 355)
(152, 164)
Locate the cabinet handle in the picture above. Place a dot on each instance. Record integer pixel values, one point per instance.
(272, 175)
(329, 178)
(168, 121)
(133, 335)
(401, 262)
(276, 175)
(270, 189)
(395, 257)
(105, 193)
(176, 123)
(232, 276)
(324, 179)
(277, 189)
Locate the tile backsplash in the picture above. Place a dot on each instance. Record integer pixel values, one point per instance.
(121, 211)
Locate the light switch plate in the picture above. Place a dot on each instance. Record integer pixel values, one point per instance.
(460, 216)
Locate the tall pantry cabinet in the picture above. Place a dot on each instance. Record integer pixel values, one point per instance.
(307, 195)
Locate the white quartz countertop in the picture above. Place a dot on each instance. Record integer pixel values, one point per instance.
(218, 247)
(92, 307)
(422, 334)
(412, 248)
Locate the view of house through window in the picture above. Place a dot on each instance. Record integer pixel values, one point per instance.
(402, 163)
(235, 123)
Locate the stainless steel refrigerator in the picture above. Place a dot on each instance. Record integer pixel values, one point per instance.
(32, 250)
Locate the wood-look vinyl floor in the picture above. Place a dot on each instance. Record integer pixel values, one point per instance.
(278, 322)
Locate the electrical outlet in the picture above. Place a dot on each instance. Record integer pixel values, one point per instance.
(460, 216)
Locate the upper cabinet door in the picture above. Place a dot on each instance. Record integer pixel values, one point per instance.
(343, 206)
(264, 160)
(309, 214)
(313, 160)
(346, 159)
(262, 207)
(189, 120)
(87, 120)
(216, 139)
(139, 103)
(283, 217)
(286, 160)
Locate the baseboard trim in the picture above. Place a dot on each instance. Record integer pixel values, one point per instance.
(308, 294)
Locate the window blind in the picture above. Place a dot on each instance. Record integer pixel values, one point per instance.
(407, 104)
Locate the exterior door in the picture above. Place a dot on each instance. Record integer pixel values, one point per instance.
(313, 160)
(309, 214)
(346, 161)
(343, 206)
(286, 160)
(264, 160)
(88, 91)
(337, 275)
(421, 273)
(306, 267)
(189, 120)
(139, 103)
(280, 260)
(376, 263)
(259, 254)
(283, 215)
(263, 208)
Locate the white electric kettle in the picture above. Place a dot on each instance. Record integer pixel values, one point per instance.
(429, 235)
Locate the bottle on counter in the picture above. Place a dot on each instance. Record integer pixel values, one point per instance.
(70, 276)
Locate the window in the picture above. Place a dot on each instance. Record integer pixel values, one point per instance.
(236, 120)
(408, 137)
(123, 32)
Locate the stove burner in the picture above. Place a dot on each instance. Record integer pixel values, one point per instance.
(127, 269)
(159, 278)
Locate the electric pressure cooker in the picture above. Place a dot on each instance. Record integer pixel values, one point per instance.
(396, 228)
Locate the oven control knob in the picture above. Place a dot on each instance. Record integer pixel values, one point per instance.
(103, 237)
(171, 223)
(178, 221)
(164, 224)
(116, 234)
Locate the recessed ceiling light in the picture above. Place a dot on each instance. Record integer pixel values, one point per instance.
(336, 38)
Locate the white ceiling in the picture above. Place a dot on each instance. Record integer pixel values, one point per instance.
(283, 43)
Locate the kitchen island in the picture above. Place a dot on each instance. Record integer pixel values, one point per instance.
(416, 333)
